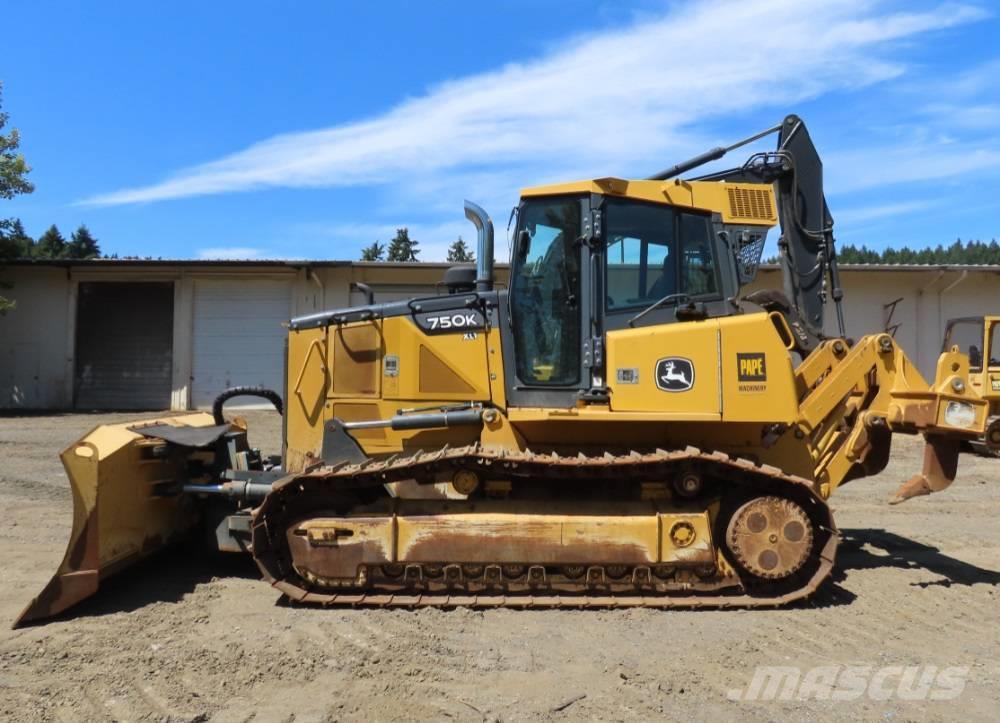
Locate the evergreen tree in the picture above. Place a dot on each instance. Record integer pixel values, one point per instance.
(9, 248)
(14, 242)
(458, 252)
(959, 252)
(375, 252)
(403, 248)
(51, 244)
(83, 245)
(955, 253)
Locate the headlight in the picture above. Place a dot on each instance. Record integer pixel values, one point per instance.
(959, 414)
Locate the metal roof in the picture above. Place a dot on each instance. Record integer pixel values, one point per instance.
(991, 268)
(238, 263)
(320, 263)
(62, 263)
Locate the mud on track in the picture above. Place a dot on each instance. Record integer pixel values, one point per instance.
(188, 637)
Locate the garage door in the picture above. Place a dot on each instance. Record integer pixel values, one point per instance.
(238, 338)
(124, 345)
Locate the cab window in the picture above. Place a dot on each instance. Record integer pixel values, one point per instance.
(967, 335)
(654, 251)
(698, 271)
(545, 292)
(994, 350)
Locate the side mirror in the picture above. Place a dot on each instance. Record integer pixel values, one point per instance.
(522, 244)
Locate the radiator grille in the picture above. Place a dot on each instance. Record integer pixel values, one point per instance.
(750, 203)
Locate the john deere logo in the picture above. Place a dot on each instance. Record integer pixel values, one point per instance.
(674, 374)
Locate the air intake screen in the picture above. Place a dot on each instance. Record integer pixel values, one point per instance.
(750, 203)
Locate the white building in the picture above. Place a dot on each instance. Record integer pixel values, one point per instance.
(129, 334)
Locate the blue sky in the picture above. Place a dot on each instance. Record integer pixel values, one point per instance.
(308, 130)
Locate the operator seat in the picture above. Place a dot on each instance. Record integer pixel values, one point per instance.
(667, 282)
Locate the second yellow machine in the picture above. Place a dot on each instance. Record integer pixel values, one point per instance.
(619, 427)
(979, 338)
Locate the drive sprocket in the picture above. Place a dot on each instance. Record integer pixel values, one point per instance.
(771, 537)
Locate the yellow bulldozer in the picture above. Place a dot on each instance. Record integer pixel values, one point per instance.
(618, 427)
(979, 338)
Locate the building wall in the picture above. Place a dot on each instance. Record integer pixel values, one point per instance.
(37, 339)
(35, 344)
(928, 299)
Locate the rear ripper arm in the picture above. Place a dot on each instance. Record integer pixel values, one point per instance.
(852, 398)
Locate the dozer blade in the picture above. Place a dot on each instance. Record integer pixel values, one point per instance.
(125, 506)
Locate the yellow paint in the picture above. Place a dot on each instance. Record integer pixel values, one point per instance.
(716, 348)
(516, 537)
(695, 342)
(494, 368)
(698, 195)
(527, 538)
(457, 367)
(768, 396)
(308, 384)
(376, 534)
(355, 356)
(986, 381)
(746, 396)
(699, 547)
(117, 518)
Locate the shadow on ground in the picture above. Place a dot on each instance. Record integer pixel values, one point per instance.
(891, 550)
(165, 577)
(872, 549)
(176, 572)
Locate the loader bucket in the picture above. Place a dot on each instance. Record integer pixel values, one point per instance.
(125, 507)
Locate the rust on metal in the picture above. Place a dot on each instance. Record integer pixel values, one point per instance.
(939, 469)
(770, 536)
(105, 538)
(449, 553)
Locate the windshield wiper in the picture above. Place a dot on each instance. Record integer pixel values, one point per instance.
(679, 298)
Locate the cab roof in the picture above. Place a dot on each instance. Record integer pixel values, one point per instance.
(739, 203)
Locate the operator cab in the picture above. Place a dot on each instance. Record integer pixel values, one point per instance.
(585, 264)
(977, 337)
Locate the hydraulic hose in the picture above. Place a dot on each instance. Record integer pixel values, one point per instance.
(263, 392)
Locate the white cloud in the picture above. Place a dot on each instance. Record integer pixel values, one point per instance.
(863, 214)
(598, 104)
(906, 163)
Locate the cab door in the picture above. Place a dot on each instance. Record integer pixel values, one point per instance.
(548, 304)
(991, 385)
(972, 337)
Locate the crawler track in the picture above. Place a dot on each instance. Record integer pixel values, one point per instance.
(340, 487)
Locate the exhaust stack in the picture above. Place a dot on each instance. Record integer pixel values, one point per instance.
(484, 245)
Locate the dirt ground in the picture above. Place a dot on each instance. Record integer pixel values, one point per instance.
(193, 639)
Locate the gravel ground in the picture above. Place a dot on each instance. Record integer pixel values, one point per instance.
(189, 638)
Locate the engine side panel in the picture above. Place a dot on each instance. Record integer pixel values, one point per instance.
(713, 370)
(369, 370)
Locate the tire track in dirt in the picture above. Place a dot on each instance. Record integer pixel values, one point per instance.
(174, 644)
